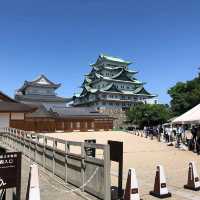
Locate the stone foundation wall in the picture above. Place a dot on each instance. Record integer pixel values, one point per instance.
(119, 115)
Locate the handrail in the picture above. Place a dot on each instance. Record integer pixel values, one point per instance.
(47, 154)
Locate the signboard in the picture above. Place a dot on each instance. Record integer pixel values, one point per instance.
(90, 151)
(10, 171)
(116, 150)
(116, 154)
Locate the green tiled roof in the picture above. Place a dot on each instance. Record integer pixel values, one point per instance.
(120, 74)
(88, 80)
(89, 89)
(115, 59)
(110, 87)
(141, 91)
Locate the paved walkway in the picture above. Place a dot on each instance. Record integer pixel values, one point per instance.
(51, 187)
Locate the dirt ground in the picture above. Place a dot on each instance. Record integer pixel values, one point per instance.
(144, 155)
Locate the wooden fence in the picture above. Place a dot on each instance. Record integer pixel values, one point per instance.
(67, 125)
(66, 159)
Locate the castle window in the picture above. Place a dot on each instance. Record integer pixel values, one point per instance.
(34, 90)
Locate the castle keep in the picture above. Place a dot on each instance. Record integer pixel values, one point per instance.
(111, 85)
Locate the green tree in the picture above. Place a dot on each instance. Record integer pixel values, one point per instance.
(184, 96)
(148, 114)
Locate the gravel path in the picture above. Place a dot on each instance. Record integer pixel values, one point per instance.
(143, 155)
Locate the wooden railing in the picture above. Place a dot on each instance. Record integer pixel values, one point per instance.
(65, 159)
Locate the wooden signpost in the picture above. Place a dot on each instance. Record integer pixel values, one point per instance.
(116, 154)
(10, 172)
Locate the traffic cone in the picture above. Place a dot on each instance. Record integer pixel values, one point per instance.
(193, 182)
(131, 191)
(160, 186)
(33, 189)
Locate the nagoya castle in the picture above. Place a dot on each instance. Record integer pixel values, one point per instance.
(111, 86)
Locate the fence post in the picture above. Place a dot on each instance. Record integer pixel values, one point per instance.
(24, 144)
(44, 150)
(35, 153)
(54, 146)
(107, 191)
(66, 159)
(29, 149)
(83, 165)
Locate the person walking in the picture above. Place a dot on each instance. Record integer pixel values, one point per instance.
(179, 135)
(151, 131)
(194, 138)
(166, 136)
(198, 141)
(188, 136)
(160, 132)
(170, 136)
(145, 131)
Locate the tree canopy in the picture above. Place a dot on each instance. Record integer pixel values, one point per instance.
(185, 95)
(148, 114)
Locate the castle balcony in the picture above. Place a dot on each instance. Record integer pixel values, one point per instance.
(83, 101)
(117, 100)
(107, 98)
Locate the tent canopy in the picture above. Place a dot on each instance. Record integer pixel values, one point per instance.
(191, 116)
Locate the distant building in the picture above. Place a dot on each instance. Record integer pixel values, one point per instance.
(112, 85)
(12, 111)
(62, 119)
(41, 91)
(52, 113)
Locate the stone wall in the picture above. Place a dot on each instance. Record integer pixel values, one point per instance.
(118, 114)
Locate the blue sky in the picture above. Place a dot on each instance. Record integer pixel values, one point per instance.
(61, 38)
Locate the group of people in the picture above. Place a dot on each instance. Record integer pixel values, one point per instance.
(178, 135)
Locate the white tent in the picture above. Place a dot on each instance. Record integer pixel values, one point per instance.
(191, 116)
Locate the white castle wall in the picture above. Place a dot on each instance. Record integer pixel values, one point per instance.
(41, 91)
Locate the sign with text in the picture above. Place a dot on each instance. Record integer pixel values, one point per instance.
(116, 154)
(116, 150)
(90, 151)
(10, 170)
